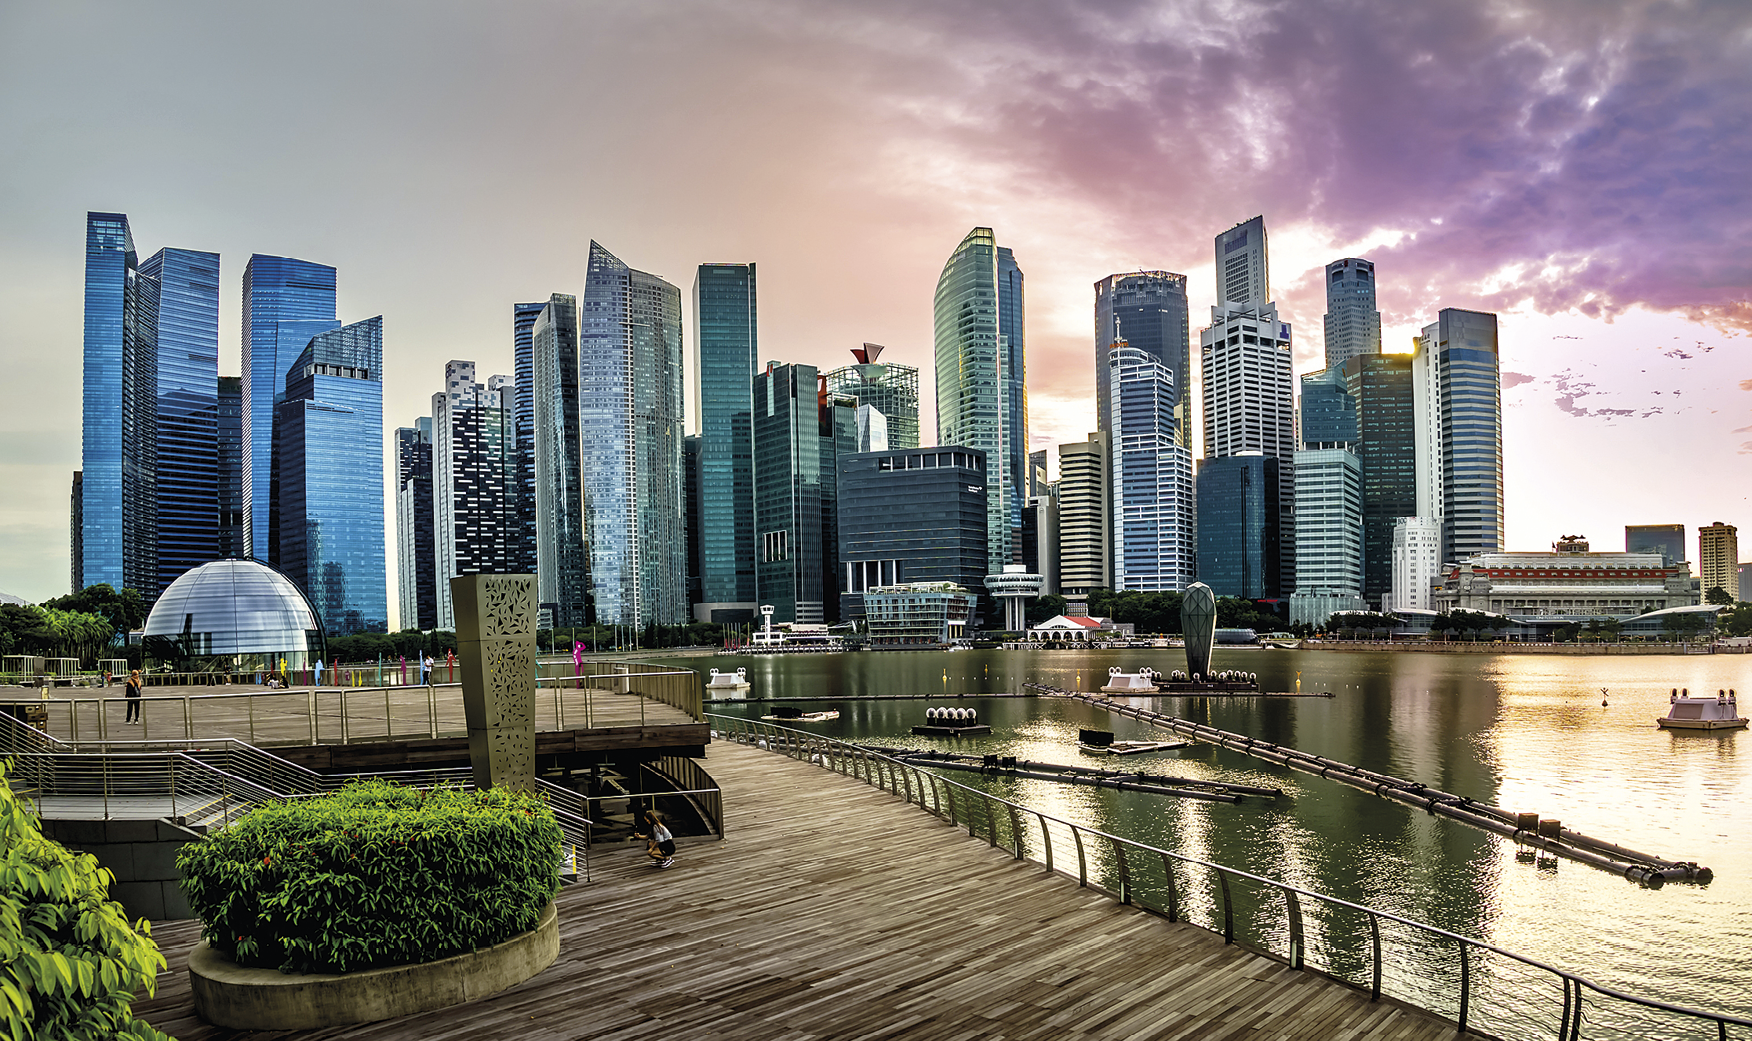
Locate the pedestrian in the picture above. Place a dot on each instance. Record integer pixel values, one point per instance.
(426, 670)
(319, 672)
(133, 695)
(660, 844)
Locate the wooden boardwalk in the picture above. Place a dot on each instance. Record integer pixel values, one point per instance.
(834, 910)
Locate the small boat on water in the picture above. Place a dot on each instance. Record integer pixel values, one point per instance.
(728, 681)
(1101, 742)
(797, 715)
(1685, 712)
(1120, 682)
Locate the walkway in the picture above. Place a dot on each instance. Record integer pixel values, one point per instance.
(835, 910)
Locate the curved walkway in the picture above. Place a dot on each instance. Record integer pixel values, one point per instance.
(834, 910)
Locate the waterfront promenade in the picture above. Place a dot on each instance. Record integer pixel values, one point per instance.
(835, 910)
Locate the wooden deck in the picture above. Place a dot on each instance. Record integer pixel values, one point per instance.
(834, 910)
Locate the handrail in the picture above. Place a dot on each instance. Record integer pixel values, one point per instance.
(1301, 946)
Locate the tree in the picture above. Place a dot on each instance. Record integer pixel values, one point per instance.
(1718, 595)
(1046, 607)
(1736, 622)
(1686, 624)
(124, 610)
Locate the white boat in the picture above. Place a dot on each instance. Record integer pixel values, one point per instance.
(793, 716)
(1132, 747)
(722, 681)
(1141, 682)
(1685, 712)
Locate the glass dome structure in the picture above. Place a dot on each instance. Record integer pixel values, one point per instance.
(242, 610)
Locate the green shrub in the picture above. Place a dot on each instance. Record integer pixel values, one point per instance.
(70, 963)
(375, 874)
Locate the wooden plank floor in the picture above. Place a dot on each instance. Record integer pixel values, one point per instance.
(834, 910)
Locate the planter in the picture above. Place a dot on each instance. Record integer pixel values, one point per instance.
(227, 995)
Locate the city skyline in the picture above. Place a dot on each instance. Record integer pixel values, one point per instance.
(1522, 215)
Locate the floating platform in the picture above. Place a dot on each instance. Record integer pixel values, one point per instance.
(795, 716)
(944, 730)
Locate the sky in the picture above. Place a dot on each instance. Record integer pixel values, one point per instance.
(1580, 168)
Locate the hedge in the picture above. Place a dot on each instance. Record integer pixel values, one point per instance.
(70, 962)
(375, 874)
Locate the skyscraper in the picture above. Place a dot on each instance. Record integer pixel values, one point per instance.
(1666, 539)
(285, 303)
(977, 316)
(473, 478)
(1238, 542)
(1353, 325)
(1085, 536)
(726, 345)
(1718, 555)
(328, 466)
(562, 569)
(1329, 503)
(523, 316)
(417, 555)
(630, 430)
(910, 516)
(1381, 385)
(889, 387)
(1249, 398)
(149, 487)
(1150, 478)
(788, 493)
(1146, 309)
(1457, 408)
(230, 454)
(837, 424)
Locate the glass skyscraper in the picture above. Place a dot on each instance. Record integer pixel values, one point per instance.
(889, 387)
(1148, 310)
(1387, 451)
(562, 559)
(328, 465)
(1151, 480)
(630, 429)
(981, 402)
(1457, 407)
(1353, 325)
(788, 496)
(285, 303)
(416, 557)
(910, 516)
(230, 433)
(523, 318)
(1238, 544)
(1329, 502)
(726, 342)
(474, 502)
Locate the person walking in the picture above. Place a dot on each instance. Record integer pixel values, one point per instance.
(426, 670)
(133, 695)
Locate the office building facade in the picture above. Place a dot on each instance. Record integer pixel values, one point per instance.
(328, 467)
(1239, 549)
(1381, 387)
(726, 346)
(230, 455)
(562, 561)
(889, 387)
(978, 335)
(1457, 411)
(474, 502)
(630, 430)
(1146, 310)
(416, 553)
(1329, 502)
(523, 316)
(1656, 538)
(910, 516)
(788, 494)
(1085, 535)
(1718, 555)
(285, 303)
(1417, 564)
(1150, 476)
(1353, 324)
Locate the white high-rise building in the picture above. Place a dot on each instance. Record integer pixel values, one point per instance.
(1150, 482)
(1329, 503)
(1718, 558)
(1417, 562)
(1249, 397)
(1457, 410)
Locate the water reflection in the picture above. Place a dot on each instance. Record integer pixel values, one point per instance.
(1523, 732)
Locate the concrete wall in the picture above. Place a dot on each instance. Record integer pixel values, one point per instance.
(141, 854)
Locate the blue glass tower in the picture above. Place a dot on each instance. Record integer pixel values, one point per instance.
(328, 464)
(726, 343)
(115, 488)
(184, 285)
(285, 303)
(1238, 551)
(1459, 415)
(562, 558)
(1151, 483)
(630, 432)
(788, 493)
(416, 554)
(230, 432)
(1013, 375)
(1148, 310)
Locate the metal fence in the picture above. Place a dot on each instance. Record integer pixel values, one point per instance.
(1481, 988)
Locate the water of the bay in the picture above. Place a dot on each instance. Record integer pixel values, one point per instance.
(1524, 732)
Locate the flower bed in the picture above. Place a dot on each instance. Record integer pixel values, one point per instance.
(373, 875)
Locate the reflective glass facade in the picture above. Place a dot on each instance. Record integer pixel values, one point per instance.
(838, 419)
(562, 557)
(234, 608)
(1148, 310)
(184, 286)
(285, 303)
(630, 430)
(1013, 378)
(115, 513)
(329, 470)
(524, 553)
(726, 345)
(416, 552)
(890, 388)
(788, 517)
(1353, 325)
(230, 454)
(973, 399)
(1463, 429)
(1667, 539)
(1237, 525)
(1151, 481)
(1381, 386)
(910, 516)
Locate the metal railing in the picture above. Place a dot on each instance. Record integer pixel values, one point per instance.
(678, 688)
(1481, 988)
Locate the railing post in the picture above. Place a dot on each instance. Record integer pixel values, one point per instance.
(1228, 908)
(343, 715)
(188, 720)
(1125, 894)
(1466, 987)
(1293, 908)
(1563, 1020)
(432, 709)
(251, 699)
(1173, 888)
(1045, 841)
(991, 820)
(1015, 828)
(950, 788)
(1082, 861)
(1375, 940)
(388, 717)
